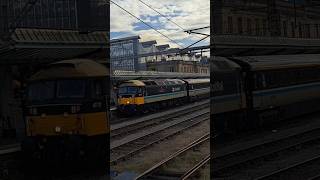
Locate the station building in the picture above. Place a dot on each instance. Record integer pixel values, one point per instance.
(181, 66)
(132, 54)
(281, 18)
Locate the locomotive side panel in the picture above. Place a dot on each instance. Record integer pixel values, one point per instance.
(283, 86)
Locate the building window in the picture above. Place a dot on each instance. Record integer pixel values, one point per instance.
(171, 69)
(285, 29)
(249, 26)
(293, 30)
(240, 28)
(316, 31)
(300, 30)
(230, 25)
(264, 27)
(308, 31)
(257, 27)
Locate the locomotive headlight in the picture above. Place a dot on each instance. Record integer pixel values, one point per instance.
(57, 129)
(33, 111)
(128, 102)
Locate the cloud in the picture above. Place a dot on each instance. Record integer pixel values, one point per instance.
(186, 13)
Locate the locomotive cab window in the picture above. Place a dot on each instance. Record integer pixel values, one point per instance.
(70, 88)
(130, 90)
(41, 91)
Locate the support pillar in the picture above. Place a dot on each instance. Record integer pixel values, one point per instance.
(11, 119)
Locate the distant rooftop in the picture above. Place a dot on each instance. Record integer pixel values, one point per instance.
(148, 43)
(163, 47)
(125, 39)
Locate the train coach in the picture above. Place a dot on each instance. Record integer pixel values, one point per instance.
(145, 95)
(66, 118)
(251, 92)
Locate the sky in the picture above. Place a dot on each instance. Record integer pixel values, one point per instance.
(186, 13)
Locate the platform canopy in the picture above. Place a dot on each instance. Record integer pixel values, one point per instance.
(44, 45)
(127, 75)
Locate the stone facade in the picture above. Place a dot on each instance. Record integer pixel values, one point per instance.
(283, 18)
(179, 66)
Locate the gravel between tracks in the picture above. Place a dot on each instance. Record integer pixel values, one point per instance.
(145, 159)
(280, 160)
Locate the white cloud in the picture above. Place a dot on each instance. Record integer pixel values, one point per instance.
(187, 13)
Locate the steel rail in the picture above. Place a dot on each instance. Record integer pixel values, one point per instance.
(196, 168)
(190, 146)
(148, 140)
(263, 149)
(153, 122)
(314, 177)
(288, 168)
(8, 149)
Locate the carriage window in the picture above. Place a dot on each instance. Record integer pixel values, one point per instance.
(70, 88)
(41, 91)
(264, 83)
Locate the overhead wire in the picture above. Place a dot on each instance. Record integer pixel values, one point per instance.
(168, 19)
(149, 6)
(146, 24)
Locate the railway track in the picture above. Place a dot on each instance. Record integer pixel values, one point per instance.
(130, 127)
(8, 149)
(173, 167)
(194, 172)
(131, 145)
(9, 160)
(301, 170)
(316, 177)
(227, 162)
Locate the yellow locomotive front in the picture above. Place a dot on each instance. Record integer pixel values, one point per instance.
(131, 96)
(66, 117)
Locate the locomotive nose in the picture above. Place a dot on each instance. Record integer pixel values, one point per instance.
(126, 100)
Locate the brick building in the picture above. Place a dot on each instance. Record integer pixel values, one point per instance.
(179, 66)
(283, 18)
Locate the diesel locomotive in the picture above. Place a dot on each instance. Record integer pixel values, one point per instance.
(144, 95)
(251, 92)
(66, 117)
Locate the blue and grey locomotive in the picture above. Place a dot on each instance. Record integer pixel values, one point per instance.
(142, 95)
